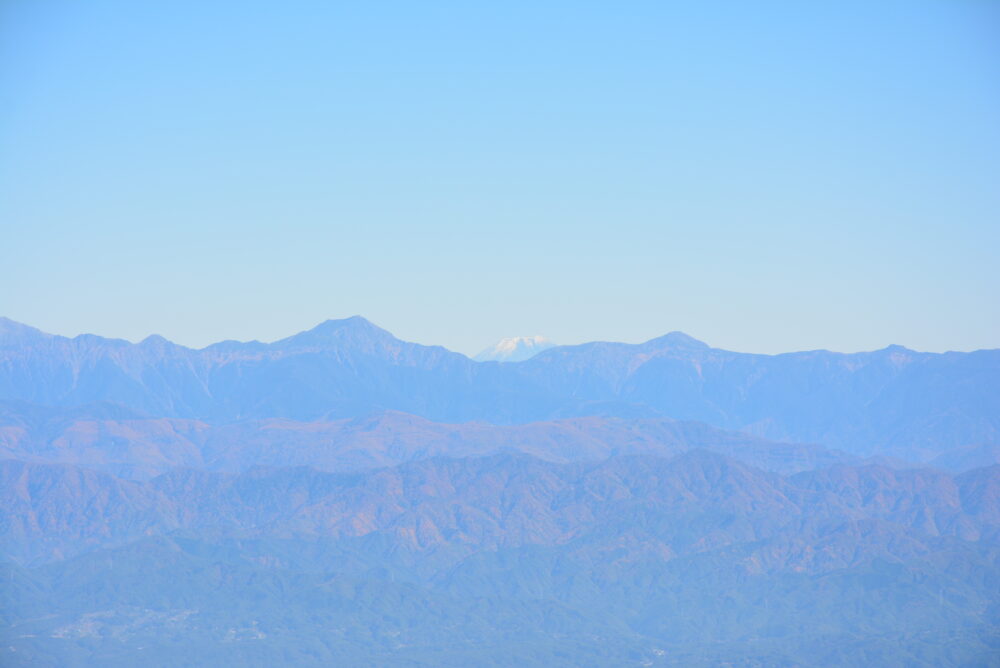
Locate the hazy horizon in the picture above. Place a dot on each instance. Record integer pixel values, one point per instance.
(471, 354)
(787, 178)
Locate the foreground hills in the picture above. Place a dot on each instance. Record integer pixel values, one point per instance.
(894, 402)
(635, 560)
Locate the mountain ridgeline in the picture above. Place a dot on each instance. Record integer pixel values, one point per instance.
(341, 497)
(894, 401)
(502, 560)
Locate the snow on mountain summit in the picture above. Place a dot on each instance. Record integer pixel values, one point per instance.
(514, 349)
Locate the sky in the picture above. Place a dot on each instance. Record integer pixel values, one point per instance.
(766, 177)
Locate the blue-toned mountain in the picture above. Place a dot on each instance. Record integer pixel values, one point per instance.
(893, 401)
(501, 560)
(109, 438)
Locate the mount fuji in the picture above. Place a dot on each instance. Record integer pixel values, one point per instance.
(515, 349)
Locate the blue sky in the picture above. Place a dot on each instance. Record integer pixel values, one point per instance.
(763, 176)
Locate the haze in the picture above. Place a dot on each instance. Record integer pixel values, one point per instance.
(765, 179)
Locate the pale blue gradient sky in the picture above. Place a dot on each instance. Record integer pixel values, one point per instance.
(763, 176)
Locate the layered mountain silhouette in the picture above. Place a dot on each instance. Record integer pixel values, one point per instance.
(108, 438)
(635, 559)
(341, 497)
(894, 401)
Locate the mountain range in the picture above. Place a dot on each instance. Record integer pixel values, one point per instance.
(894, 402)
(108, 438)
(503, 560)
(341, 497)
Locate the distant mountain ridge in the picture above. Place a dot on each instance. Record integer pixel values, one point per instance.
(515, 349)
(894, 401)
(108, 438)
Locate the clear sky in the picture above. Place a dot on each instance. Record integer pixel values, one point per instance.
(763, 176)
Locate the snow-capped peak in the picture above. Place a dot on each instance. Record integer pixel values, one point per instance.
(514, 349)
